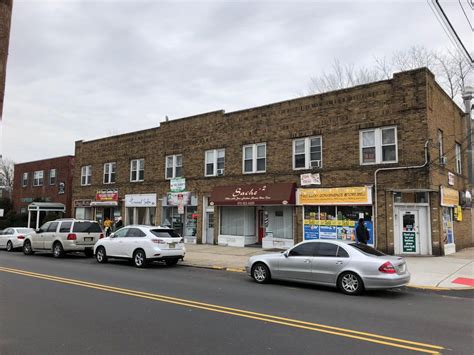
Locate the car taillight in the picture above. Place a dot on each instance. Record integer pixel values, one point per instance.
(387, 268)
(158, 241)
(71, 236)
(21, 237)
(101, 235)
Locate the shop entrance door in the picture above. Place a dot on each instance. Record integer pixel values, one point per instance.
(261, 225)
(210, 228)
(411, 230)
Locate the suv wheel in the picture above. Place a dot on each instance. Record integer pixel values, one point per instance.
(9, 246)
(139, 258)
(100, 255)
(27, 249)
(58, 251)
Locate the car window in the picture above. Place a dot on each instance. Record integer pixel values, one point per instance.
(8, 231)
(342, 253)
(121, 233)
(45, 227)
(135, 233)
(326, 250)
(52, 227)
(165, 233)
(24, 230)
(65, 227)
(306, 249)
(86, 227)
(366, 249)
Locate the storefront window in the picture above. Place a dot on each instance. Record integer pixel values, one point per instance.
(239, 221)
(280, 221)
(191, 221)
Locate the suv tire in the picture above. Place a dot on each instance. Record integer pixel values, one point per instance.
(139, 258)
(9, 246)
(58, 250)
(27, 249)
(101, 255)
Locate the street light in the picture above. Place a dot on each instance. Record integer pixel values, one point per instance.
(467, 97)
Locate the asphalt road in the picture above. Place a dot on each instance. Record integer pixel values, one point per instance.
(76, 306)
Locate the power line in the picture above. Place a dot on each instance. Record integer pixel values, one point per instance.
(443, 26)
(467, 17)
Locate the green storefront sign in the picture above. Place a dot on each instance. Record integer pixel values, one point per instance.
(409, 242)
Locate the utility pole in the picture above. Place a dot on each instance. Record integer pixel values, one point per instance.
(467, 97)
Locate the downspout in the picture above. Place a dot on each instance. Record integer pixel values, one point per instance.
(394, 168)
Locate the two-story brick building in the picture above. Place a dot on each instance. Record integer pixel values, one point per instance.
(391, 152)
(46, 180)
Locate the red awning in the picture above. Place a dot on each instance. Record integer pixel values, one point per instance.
(254, 195)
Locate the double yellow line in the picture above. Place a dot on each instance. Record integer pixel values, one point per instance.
(347, 333)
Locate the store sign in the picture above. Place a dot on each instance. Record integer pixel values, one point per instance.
(465, 199)
(178, 184)
(253, 195)
(310, 179)
(409, 242)
(140, 200)
(61, 188)
(106, 195)
(458, 213)
(449, 197)
(450, 179)
(179, 198)
(82, 203)
(360, 195)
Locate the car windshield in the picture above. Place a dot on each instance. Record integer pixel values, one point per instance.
(164, 233)
(366, 249)
(24, 230)
(86, 227)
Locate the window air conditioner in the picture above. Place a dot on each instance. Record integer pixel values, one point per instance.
(315, 164)
(220, 172)
(443, 160)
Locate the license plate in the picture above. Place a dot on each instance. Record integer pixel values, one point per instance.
(171, 245)
(88, 239)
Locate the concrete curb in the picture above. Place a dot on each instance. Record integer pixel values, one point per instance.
(242, 270)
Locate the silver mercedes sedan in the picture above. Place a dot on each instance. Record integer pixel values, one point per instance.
(351, 267)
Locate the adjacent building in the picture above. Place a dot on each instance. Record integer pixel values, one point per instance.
(391, 152)
(47, 180)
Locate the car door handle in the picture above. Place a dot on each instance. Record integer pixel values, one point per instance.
(307, 261)
(339, 262)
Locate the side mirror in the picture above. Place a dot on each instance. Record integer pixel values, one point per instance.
(112, 235)
(286, 254)
(38, 230)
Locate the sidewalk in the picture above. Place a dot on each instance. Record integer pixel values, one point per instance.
(454, 271)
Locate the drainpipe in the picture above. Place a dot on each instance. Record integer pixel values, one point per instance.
(394, 168)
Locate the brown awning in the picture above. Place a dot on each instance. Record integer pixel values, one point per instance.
(254, 195)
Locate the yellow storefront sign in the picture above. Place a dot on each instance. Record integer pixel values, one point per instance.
(449, 197)
(360, 195)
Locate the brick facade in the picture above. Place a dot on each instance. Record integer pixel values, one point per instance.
(412, 102)
(24, 195)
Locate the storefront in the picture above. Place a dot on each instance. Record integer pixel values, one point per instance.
(450, 212)
(257, 214)
(332, 213)
(140, 209)
(83, 209)
(106, 205)
(180, 213)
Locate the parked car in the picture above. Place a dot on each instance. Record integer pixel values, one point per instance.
(12, 238)
(142, 244)
(350, 267)
(64, 235)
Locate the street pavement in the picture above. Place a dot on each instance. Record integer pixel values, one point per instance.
(75, 306)
(454, 271)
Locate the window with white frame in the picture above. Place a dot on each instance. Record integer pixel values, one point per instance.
(174, 166)
(137, 170)
(378, 146)
(86, 175)
(109, 173)
(24, 180)
(307, 153)
(254, 158)
(38, 178)
(458, 158)
(214, 162)
(52, 177)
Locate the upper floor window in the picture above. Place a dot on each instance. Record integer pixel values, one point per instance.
(86, 175)
(214, 162)
(52, 177)
(307, 153)
(38, 178)
(440, 143)
(458, 158)
(255, 158)
(378, 145)
(109, 173)
(174, 166)
(137, 170)
(24, 180)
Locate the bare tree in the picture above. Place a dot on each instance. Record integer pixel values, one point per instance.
(6, 173)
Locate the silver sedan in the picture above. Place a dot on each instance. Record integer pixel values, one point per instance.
(351, 267)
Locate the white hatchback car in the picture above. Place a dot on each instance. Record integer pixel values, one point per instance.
(12, 238)
(142, 244)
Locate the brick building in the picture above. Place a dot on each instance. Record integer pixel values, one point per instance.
(47, 180)
(391, 152)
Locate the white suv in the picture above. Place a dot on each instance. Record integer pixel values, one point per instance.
(142, 244)
(64, 235)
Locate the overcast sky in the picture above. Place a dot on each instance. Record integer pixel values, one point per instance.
(88, 69)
